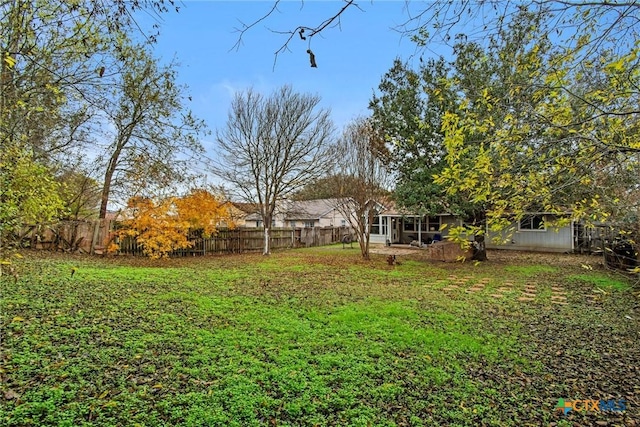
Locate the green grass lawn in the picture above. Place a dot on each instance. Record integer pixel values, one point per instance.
(315, 337)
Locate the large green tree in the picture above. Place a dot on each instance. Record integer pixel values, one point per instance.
(154, 136)
(413, 105)
(545, 134)
(407, 111)
(47, 49)
(53, 56)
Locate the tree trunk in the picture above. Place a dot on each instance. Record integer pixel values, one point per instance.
(123, 139)
(124, 135)
(267, 216)
(364, 247)
(363, 240)
(267, 235)
(106, 187)
(366, 244)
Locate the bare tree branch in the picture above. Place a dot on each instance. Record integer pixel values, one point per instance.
(246, 27)
(305, 32)
(363, 179)
(273, 146)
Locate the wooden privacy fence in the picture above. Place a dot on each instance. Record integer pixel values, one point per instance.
(320, 236)
(94, 237)
(241, 240)
(225, 241)
(70, 236)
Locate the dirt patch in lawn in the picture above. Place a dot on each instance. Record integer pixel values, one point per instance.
(394, 250)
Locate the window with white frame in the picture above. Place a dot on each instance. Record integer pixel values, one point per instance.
(308, 224)
(343, 223)
(375, 225)
(385, 225)
(430, 223)
(532, 223)
(409, 223)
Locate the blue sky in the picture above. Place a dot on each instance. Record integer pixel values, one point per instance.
(351, 59)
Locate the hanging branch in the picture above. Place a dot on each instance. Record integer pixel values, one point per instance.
(303, 31)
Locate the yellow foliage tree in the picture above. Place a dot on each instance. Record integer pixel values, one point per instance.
(155, 226)
(570, 148)
(203, 210)
(163, 226)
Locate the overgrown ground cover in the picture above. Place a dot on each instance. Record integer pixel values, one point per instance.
(315, 337)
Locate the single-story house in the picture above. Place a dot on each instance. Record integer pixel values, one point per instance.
(238, 213)
(534, 232)
(303, 214)
(393, 225)
(315, 213)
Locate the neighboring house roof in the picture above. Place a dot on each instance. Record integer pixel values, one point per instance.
(248, 208)
(256, 216)
(390, 208)
(250, 211)
(307, 210)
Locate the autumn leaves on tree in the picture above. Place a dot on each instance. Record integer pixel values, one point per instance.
(162, 226)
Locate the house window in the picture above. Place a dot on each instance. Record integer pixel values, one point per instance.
(532, 223)
(260, 223)
(292, 224)
(380, 225)
(434, 223)
(308, 224)
(343, 223)
(375, 225)
(430, 223)
(410, 224)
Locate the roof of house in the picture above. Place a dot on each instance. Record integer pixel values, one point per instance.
(310, 209)
(304, 210)
(390, 208)
(245, 207)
